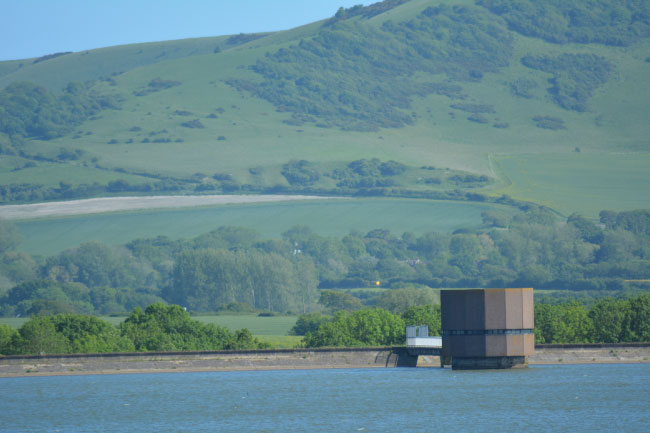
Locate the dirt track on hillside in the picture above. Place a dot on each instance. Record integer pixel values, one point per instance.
(117, 204)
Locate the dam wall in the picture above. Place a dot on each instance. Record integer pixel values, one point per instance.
(150, 362)
(287, 359)
(590, 353)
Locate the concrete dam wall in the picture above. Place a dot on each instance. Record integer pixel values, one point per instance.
(115, 363)
(286, 359)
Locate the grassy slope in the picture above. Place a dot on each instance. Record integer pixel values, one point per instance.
(331, 218)
(255, 135)
(102, 62)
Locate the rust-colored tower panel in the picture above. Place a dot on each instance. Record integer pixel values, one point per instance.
(529, 309)
(514, 309)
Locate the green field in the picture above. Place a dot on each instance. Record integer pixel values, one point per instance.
(580, 182)
(334, 217)
(267, 326)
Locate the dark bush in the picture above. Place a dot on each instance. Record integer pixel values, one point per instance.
(51, 56)
(575, 76)
(300, 172)
(391, 168)
(523, 87)
(478, 118)
(549, 122)
(473, 108)
(193, 124)
(156, 85)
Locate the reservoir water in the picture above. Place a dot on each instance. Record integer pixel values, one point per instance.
(540, 398)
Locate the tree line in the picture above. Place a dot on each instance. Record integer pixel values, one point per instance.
(159, 327)
(170, 328)
(606, 321)
(233, 267)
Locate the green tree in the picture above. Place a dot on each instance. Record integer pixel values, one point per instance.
(39, 336)
(89, 334)
(563, 323)
(465, 250)
(400, 300)
(170, 328)
(608, 317)
(18, 266)
(309, 322)
(48, 297)
(227, 237)
(424, 315)
(306, 282)
(637, 322)
(589, 231)
(95, 264)
(367, 327)
(8, 336)
(69, 333)
(336, 300)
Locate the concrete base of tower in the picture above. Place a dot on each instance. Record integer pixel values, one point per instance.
(490, 362)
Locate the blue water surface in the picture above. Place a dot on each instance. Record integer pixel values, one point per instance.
(540, 398)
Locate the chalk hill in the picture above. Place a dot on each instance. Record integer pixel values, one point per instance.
(422, 95)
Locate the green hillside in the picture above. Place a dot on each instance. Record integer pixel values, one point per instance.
(423, 83)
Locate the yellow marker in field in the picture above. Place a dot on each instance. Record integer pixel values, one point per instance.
(377, 283)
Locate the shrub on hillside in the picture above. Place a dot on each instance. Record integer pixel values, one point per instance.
(575, 76)
(523, 87)
(549, 122)
(478, 118)
(473, 108)
(300, 172)
(30, 110)
(156, 85)
(360, 77)
(578, 21)
(193, 124)
(51, 56)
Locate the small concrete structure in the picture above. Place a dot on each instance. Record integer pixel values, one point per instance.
(487, 328)
(418, 336)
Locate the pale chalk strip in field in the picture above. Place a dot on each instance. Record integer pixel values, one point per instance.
(117, 204)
